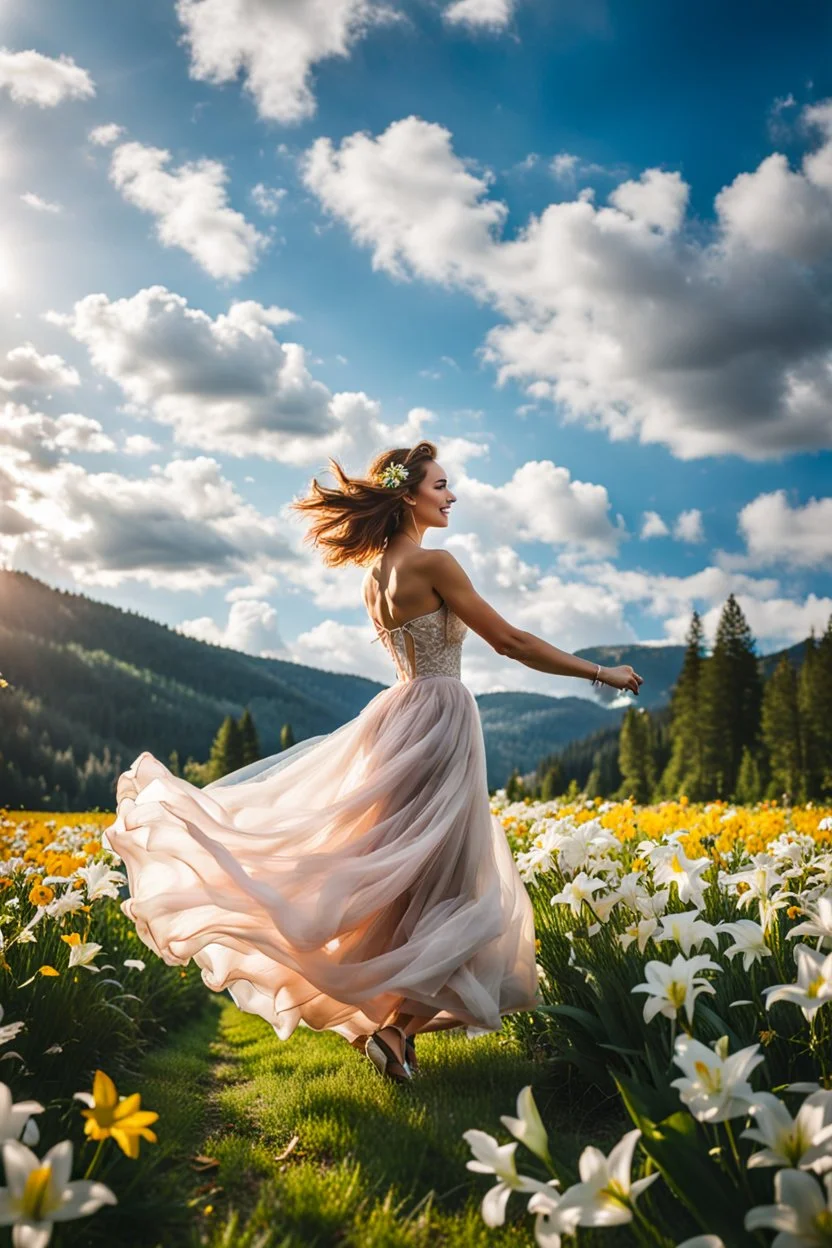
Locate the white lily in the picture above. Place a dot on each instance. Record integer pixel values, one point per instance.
(137, 964)
(675, 986)
(653, 905)
(13, 1117)
(749, 940)
(577, 891)
(528, 1126)
(82, 954)
(639, 932)
(553, 1219)
(630, 888)
(803, 1142)
(39, 1193)
(10, 1030)
(671, 865)
(101, 880)
(757, 880)
(688, 929)
(802, 1213)
(606, 1190)
(714, 1085)
(497, 1159)
(69, 902)
(814, 982)
(819, 922)
(702, 1241)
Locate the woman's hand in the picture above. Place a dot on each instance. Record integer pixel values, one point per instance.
(621, 678)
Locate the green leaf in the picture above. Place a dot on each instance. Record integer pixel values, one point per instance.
(588, 1021)
(680, 1151)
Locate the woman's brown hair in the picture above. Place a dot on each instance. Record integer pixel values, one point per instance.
(351, 524)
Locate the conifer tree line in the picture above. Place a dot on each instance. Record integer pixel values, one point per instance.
(236, 745)
(728, 733)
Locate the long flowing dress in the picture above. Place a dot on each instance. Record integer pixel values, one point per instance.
(357, 874)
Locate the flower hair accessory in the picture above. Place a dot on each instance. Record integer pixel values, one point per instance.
(394, 474)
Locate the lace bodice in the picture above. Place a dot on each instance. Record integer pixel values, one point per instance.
(428, 645)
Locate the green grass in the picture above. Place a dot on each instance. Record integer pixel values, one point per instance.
(374, 1164)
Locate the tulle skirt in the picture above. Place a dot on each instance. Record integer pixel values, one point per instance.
(356, 875)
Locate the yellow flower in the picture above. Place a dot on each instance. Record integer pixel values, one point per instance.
(639, 864)
(48, 970)
(72, 939)
(119, 1118)
(41, 895)
(793, 912)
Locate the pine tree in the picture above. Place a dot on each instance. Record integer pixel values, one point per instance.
(514, 787)
(781, 732)
(811, 738)
(731, 695)
(685, 771)
(226, 751)
(249, 741)
(749, 781)
(635, 756)
(552, 784)
(287, 737)
(816, 714)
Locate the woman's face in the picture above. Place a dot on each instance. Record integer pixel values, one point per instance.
(433, 498)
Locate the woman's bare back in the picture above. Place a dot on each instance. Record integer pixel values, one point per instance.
(398, 586)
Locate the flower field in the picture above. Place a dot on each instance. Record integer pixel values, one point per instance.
(684, 962)
(80, 1005)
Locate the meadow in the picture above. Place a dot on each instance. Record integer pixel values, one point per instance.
(673, 1087)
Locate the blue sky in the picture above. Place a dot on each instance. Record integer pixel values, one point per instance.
(583, 199)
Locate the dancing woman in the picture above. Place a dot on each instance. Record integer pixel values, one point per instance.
(358, 881)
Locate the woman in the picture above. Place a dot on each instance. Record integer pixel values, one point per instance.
(357, 881)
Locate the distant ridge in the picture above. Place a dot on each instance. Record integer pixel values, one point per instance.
(94, 685)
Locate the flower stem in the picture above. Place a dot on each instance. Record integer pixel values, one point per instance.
(95, 1157)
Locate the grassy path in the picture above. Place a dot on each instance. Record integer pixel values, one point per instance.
(315, 1149)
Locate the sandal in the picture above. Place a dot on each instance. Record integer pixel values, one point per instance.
(385, 1059)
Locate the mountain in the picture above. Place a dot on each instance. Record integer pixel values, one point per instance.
(658, 665)
(520, 728)
(91, 686)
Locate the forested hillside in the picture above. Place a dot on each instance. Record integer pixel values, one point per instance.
(91, 686)
(739, 727)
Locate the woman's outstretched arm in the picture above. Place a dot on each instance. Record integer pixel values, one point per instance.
(453, 583)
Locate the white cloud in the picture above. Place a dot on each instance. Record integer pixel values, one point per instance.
(31, 78)
(228, 385)
(140, 444)
(268, 198)
(25, 368)
(251, 627)
(541, 502)
(74, 432)
(183, 527)
(617, 313)
(688, 526)
(776, 532)
(652, 525)
(274, 46)
(31, 437)
(190, 204)
(775, 622)
(40, 205)
(480, 14)
(106, 135)
(338, 647)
